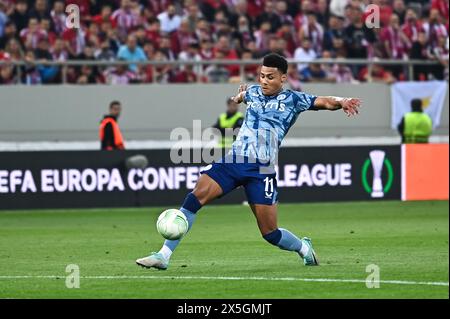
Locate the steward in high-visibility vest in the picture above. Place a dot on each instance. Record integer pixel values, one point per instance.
(231, 119)
(416, 126)
(109, 132)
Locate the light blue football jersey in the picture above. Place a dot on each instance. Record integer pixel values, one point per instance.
(267, 121)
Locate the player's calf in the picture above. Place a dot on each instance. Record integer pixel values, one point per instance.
(286, 240)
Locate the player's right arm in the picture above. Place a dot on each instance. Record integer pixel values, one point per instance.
(239, 98)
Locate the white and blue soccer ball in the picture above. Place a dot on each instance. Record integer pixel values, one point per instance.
(172, 224)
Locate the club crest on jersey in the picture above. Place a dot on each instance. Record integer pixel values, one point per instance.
(281, 97)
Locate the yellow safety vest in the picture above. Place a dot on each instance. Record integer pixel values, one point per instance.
(224, 123)
(418, 127)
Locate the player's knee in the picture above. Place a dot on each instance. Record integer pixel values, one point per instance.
(273, 237)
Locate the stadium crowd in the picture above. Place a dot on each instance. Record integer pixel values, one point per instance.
(202, 30)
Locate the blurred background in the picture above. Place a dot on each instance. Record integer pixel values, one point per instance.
(171, 62)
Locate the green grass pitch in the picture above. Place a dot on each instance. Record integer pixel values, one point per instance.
(224, 256)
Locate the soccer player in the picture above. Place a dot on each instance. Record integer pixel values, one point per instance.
(271, 111)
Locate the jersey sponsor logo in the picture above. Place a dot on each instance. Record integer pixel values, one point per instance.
(272, 105)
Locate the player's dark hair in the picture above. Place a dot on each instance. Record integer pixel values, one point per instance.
(113, 103)
(416, 105)
(273, 60)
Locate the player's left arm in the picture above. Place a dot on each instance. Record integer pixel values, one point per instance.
(332, 103)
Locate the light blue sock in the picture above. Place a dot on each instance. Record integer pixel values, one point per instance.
(172, 244)
(289, 241)
(284, 239)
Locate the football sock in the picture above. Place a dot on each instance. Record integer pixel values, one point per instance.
(286, 240)
(189, 208)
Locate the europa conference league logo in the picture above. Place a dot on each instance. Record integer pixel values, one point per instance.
(379, 161)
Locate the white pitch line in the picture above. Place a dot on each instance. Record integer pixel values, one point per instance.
(393, 282)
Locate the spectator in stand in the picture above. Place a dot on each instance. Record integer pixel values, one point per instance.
(420, 51)
(412, 25)
(281, 9)
(250, 71)
(335, 30)
(119, 75)
(440, 53)
(442, 7)
(59, 51)
(399, 9)
(337, 7)
(269, 15)
(3, 18)
(314, 72)
(182, 37)
(7, 75)
(287, 33)
(396, 44)
(358, 37)
(203, 30)
(31, 74)
(192, 16)
(206, 49)
(125, 18)
(165, 46)
(131, 52)
(161, 73)
(236, 11)
(32, 34)
(262, 36)
(224, 50)
(378, 74)
(48, 73)
(301, 19)
(323, 14)
(304, 53)
(9, 34)
(45, 25)
(40, 10)
(76, 40)
(293, 77)
(385, 11)
(14, 50)
(20, 15)
(244, 31)
(313, 30)
(434, 28)
(217, 73)
(105, 15)
(58, 17)
(341, 72)
(191, 54)
(170, 20)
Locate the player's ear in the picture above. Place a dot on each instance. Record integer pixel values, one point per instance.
(283, 78)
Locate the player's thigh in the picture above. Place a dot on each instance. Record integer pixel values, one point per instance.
(206, 189)
(266, 217)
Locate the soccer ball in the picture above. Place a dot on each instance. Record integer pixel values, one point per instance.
(172, 224)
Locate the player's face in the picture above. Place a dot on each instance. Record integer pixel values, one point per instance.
(271, 80)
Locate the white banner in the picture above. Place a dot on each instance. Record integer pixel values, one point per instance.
(432, 94)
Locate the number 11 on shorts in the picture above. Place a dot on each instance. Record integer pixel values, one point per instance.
(268, 187)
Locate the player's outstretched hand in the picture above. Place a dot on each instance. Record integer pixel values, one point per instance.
(351, 106)
(238, 98)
